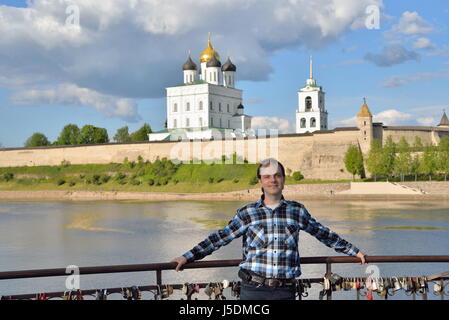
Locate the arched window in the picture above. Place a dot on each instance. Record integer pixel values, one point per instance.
(187, 122)
(201, 105)
(211, 122)
(308, 104)
(219, 106)
(303, 123)
(188, 106)
(228, 107)
(175, 107)
(220, 123)
(229, 123)
(313, 123)
(200, 122)
(175, 124)
(210, 105)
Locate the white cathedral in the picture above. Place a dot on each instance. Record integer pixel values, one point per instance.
(207, 105)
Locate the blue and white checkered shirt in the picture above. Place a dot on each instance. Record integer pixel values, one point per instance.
(270, 238)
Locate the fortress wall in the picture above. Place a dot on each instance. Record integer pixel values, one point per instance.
(397, 134)
(317, 156)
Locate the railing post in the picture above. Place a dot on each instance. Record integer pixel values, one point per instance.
(328, 273)
(159, 277)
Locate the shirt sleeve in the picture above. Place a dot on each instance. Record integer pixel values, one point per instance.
(235, 228)
(326, 236)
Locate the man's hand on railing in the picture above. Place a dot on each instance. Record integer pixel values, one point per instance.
(361, 256)
(180, 261)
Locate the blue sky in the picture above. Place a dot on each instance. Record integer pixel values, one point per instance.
(112, 70)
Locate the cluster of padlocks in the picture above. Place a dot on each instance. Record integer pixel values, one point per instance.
(366, 287)
(384, 287)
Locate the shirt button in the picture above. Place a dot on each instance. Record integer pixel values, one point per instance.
(274, 251)
(275, 238)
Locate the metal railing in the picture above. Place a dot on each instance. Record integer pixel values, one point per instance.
(159, 267)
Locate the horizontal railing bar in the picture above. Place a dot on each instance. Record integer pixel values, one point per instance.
(51, 295)
(209, 264)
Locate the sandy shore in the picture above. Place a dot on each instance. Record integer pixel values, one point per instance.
(293, 192)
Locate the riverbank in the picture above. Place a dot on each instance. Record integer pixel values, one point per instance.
(328, 191)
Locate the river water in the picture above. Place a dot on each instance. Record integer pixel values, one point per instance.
(36, 235)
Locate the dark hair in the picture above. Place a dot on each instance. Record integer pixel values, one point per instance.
(268, 162)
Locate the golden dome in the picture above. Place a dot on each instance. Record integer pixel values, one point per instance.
(209, 52)
(364, 112)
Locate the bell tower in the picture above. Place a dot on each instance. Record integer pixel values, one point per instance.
(311, 114)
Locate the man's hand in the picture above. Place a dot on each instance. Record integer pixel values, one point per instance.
(181, 261)
(361, 256)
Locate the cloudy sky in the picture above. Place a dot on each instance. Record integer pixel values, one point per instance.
(107, 62)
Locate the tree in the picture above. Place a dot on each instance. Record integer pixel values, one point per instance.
(69, 135)
(93, 135)
(443, 157)
(141, 134)
(122, 135)
(403, 160)
(429, 162)
(388, 156)
(354, 161)
(374, 160)
(415, 165)
(417, 144)
(37, 140)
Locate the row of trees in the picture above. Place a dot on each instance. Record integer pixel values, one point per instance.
(71, 134)
(400, 159)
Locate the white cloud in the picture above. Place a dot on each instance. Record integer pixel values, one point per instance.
(403, 80)
(423, 44)
(72, 95)
(411, 23)
(427, 121)
(136, 48)
(387, 117)
(283, 125)
(392, 117)
(351, 122)
(391, 55)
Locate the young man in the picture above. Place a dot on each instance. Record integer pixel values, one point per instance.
(270, 227)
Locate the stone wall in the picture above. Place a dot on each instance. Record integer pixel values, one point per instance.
(318, 156)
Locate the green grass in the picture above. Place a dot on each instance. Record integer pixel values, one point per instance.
(136, 177)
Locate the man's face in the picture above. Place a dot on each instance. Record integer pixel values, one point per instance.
(271, 179)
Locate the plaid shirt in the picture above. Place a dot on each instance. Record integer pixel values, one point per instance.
(270, 238)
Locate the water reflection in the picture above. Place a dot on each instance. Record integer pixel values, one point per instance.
(36, 235)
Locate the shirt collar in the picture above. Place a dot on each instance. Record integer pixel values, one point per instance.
(259, 202)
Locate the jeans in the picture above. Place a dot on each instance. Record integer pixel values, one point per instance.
(250, 291)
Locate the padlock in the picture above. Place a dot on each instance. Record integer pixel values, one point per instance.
(225, 284)
(369, 296)
(197, 288)
(235, 291)
(438, 287)
(135, 293)
(396, 284)
(209, 290)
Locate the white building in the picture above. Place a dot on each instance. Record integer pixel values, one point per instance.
(207, 104)
(311, 115)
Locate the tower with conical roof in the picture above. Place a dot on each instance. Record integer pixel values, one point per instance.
(444, 120)
(207, 101)
(365, 125)
(311, 114)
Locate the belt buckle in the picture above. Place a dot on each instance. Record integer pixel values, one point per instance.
(274, 283)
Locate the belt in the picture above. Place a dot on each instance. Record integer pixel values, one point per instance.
(249, 276)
